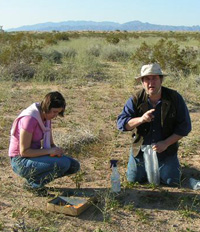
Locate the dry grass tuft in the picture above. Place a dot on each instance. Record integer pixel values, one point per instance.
(76, 140)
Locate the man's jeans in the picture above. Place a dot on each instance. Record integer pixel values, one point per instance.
(169, 168)
(39, 171)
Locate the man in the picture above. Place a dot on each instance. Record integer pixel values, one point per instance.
(160, 118)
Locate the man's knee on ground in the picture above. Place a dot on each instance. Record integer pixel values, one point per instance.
(172, 182)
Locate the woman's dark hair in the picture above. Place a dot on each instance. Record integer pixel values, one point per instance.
(53, 100)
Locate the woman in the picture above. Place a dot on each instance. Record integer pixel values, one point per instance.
(39, 164)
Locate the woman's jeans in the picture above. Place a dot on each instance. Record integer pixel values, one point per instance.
(39, 171)
(169, 168)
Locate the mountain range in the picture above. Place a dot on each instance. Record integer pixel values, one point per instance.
(102, 26)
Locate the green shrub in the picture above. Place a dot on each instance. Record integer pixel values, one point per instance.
(86, 67)
(69, 52)
(50, 40)
(53, 56)
(61, 36)
(21, 72)
(20, 48)
(113, 39)
(94, 50)
(113, 53)
(169, 55)
(45, 72)
(5, 56)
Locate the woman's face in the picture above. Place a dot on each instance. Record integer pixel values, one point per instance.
(53, 113)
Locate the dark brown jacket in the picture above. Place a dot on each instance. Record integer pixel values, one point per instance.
(168, 115)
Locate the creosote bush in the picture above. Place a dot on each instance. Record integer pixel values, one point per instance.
(62, 36)
(112, 39)
(50, 40)
(21, 48)
(169, 55)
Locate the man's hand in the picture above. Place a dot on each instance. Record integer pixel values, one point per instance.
(135, 122)
(148, 116)
(163, 145)
(160, 146)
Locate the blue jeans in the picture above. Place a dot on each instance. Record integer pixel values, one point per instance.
(39, 171)
(169, 168)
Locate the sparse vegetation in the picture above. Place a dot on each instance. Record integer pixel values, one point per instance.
(96, 76)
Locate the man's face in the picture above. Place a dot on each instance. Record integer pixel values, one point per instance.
(152, 84)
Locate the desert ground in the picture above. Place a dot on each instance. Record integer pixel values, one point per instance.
(88, 132)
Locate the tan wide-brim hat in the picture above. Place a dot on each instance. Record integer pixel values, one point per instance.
(151, 69)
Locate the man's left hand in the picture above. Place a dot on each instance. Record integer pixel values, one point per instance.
(159, 146)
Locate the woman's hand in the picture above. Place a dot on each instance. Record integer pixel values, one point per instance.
(56, 151)
(27, 151)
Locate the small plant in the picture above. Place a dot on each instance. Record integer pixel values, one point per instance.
(107, 203)
(98, 230)
(142, 215)
(187, 206)
(1, 226)
(130, 185)
(78, 178)
(129, 207)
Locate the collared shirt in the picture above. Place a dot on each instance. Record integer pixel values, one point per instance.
(154, 134)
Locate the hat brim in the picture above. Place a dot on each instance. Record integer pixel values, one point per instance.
(164, 75)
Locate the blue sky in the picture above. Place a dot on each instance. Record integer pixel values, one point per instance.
(16, 13)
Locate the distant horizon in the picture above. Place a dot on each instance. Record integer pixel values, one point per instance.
(18, 13)
(84, 25)
(97, 22)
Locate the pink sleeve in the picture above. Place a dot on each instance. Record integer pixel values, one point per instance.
(28, 123)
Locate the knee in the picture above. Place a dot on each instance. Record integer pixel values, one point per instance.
(63, 163)
(170, 174)
(75, 167)
(172, 182)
